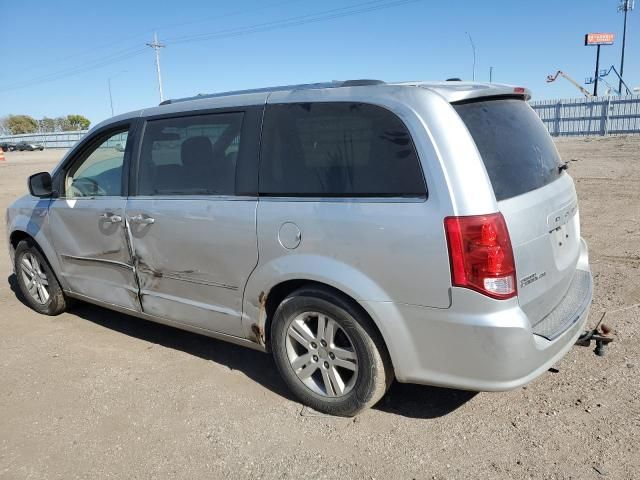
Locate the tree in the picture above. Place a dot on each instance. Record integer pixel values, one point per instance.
(62, 124)
(78, 122)
(4, 130)
(16, 124)
(48, 124)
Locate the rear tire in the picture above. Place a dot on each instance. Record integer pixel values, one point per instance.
(37, 282)
(328, 353)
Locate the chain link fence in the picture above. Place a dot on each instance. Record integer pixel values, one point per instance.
(48, 140)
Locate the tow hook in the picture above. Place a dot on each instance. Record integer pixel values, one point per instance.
(600, 335)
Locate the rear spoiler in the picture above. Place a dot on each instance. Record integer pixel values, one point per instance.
(455, 92)
(490, 98)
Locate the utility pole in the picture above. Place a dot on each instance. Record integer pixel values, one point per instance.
(490, 74)
(625, 6)
(473, 47)
(595, 84)
(157, 46)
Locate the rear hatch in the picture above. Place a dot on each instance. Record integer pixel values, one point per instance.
(535, 195)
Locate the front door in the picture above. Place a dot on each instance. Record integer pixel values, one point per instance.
(87, 221)
(193, 227)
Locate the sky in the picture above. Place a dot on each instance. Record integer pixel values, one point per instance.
(58, 57)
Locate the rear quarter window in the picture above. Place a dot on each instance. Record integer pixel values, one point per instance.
(518, 152)
(337, 149)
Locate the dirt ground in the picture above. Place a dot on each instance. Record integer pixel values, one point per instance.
(96, 394)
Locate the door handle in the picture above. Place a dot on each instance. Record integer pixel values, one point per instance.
(110, 217)
(142, 219)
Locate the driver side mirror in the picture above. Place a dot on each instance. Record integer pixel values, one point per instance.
(40, 185)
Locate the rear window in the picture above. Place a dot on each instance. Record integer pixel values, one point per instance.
(516, 148)
(337, 149)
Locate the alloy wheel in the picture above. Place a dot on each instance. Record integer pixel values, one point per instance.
(35, 279)
(321, 354)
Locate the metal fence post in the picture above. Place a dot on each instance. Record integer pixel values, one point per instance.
(606, 116)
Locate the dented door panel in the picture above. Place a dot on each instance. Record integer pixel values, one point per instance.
(193, 260)
(92, 249)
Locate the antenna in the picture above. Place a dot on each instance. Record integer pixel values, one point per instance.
(625, 6)
(157, 46)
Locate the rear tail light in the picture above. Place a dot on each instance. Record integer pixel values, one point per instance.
(481, 255)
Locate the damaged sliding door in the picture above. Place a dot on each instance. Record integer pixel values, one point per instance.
(192, 223)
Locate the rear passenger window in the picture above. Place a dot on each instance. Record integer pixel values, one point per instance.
(337, 149)
(190, 155)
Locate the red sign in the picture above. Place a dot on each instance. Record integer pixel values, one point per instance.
(599, 38)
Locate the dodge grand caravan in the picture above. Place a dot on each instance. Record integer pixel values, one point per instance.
(359, 231)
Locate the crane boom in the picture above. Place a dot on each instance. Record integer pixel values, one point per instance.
(552, 78)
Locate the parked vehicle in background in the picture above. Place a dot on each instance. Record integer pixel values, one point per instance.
(359, 231)
(7, 146)
(29, 146)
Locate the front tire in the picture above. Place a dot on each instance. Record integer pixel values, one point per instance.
(328, 353)
(37, 283)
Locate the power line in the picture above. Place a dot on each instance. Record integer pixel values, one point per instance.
(356, 9)
(331, 14)
(99, 62)
(108, 60)
(120, 40)
(102, 61)
(226, 15)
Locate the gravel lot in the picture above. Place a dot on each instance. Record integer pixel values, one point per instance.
(96, 394)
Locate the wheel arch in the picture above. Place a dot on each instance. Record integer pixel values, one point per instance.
(281, 275)
(274, 297)
(18, 235)
(280, 291)
(274, 280)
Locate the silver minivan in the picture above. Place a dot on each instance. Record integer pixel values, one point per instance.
(360, 231)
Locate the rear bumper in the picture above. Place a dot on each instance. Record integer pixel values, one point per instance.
(461, 348)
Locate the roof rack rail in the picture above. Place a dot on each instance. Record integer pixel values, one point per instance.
(361, 83)
(281, 88)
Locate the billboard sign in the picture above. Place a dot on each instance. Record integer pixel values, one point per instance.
(599, 38)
